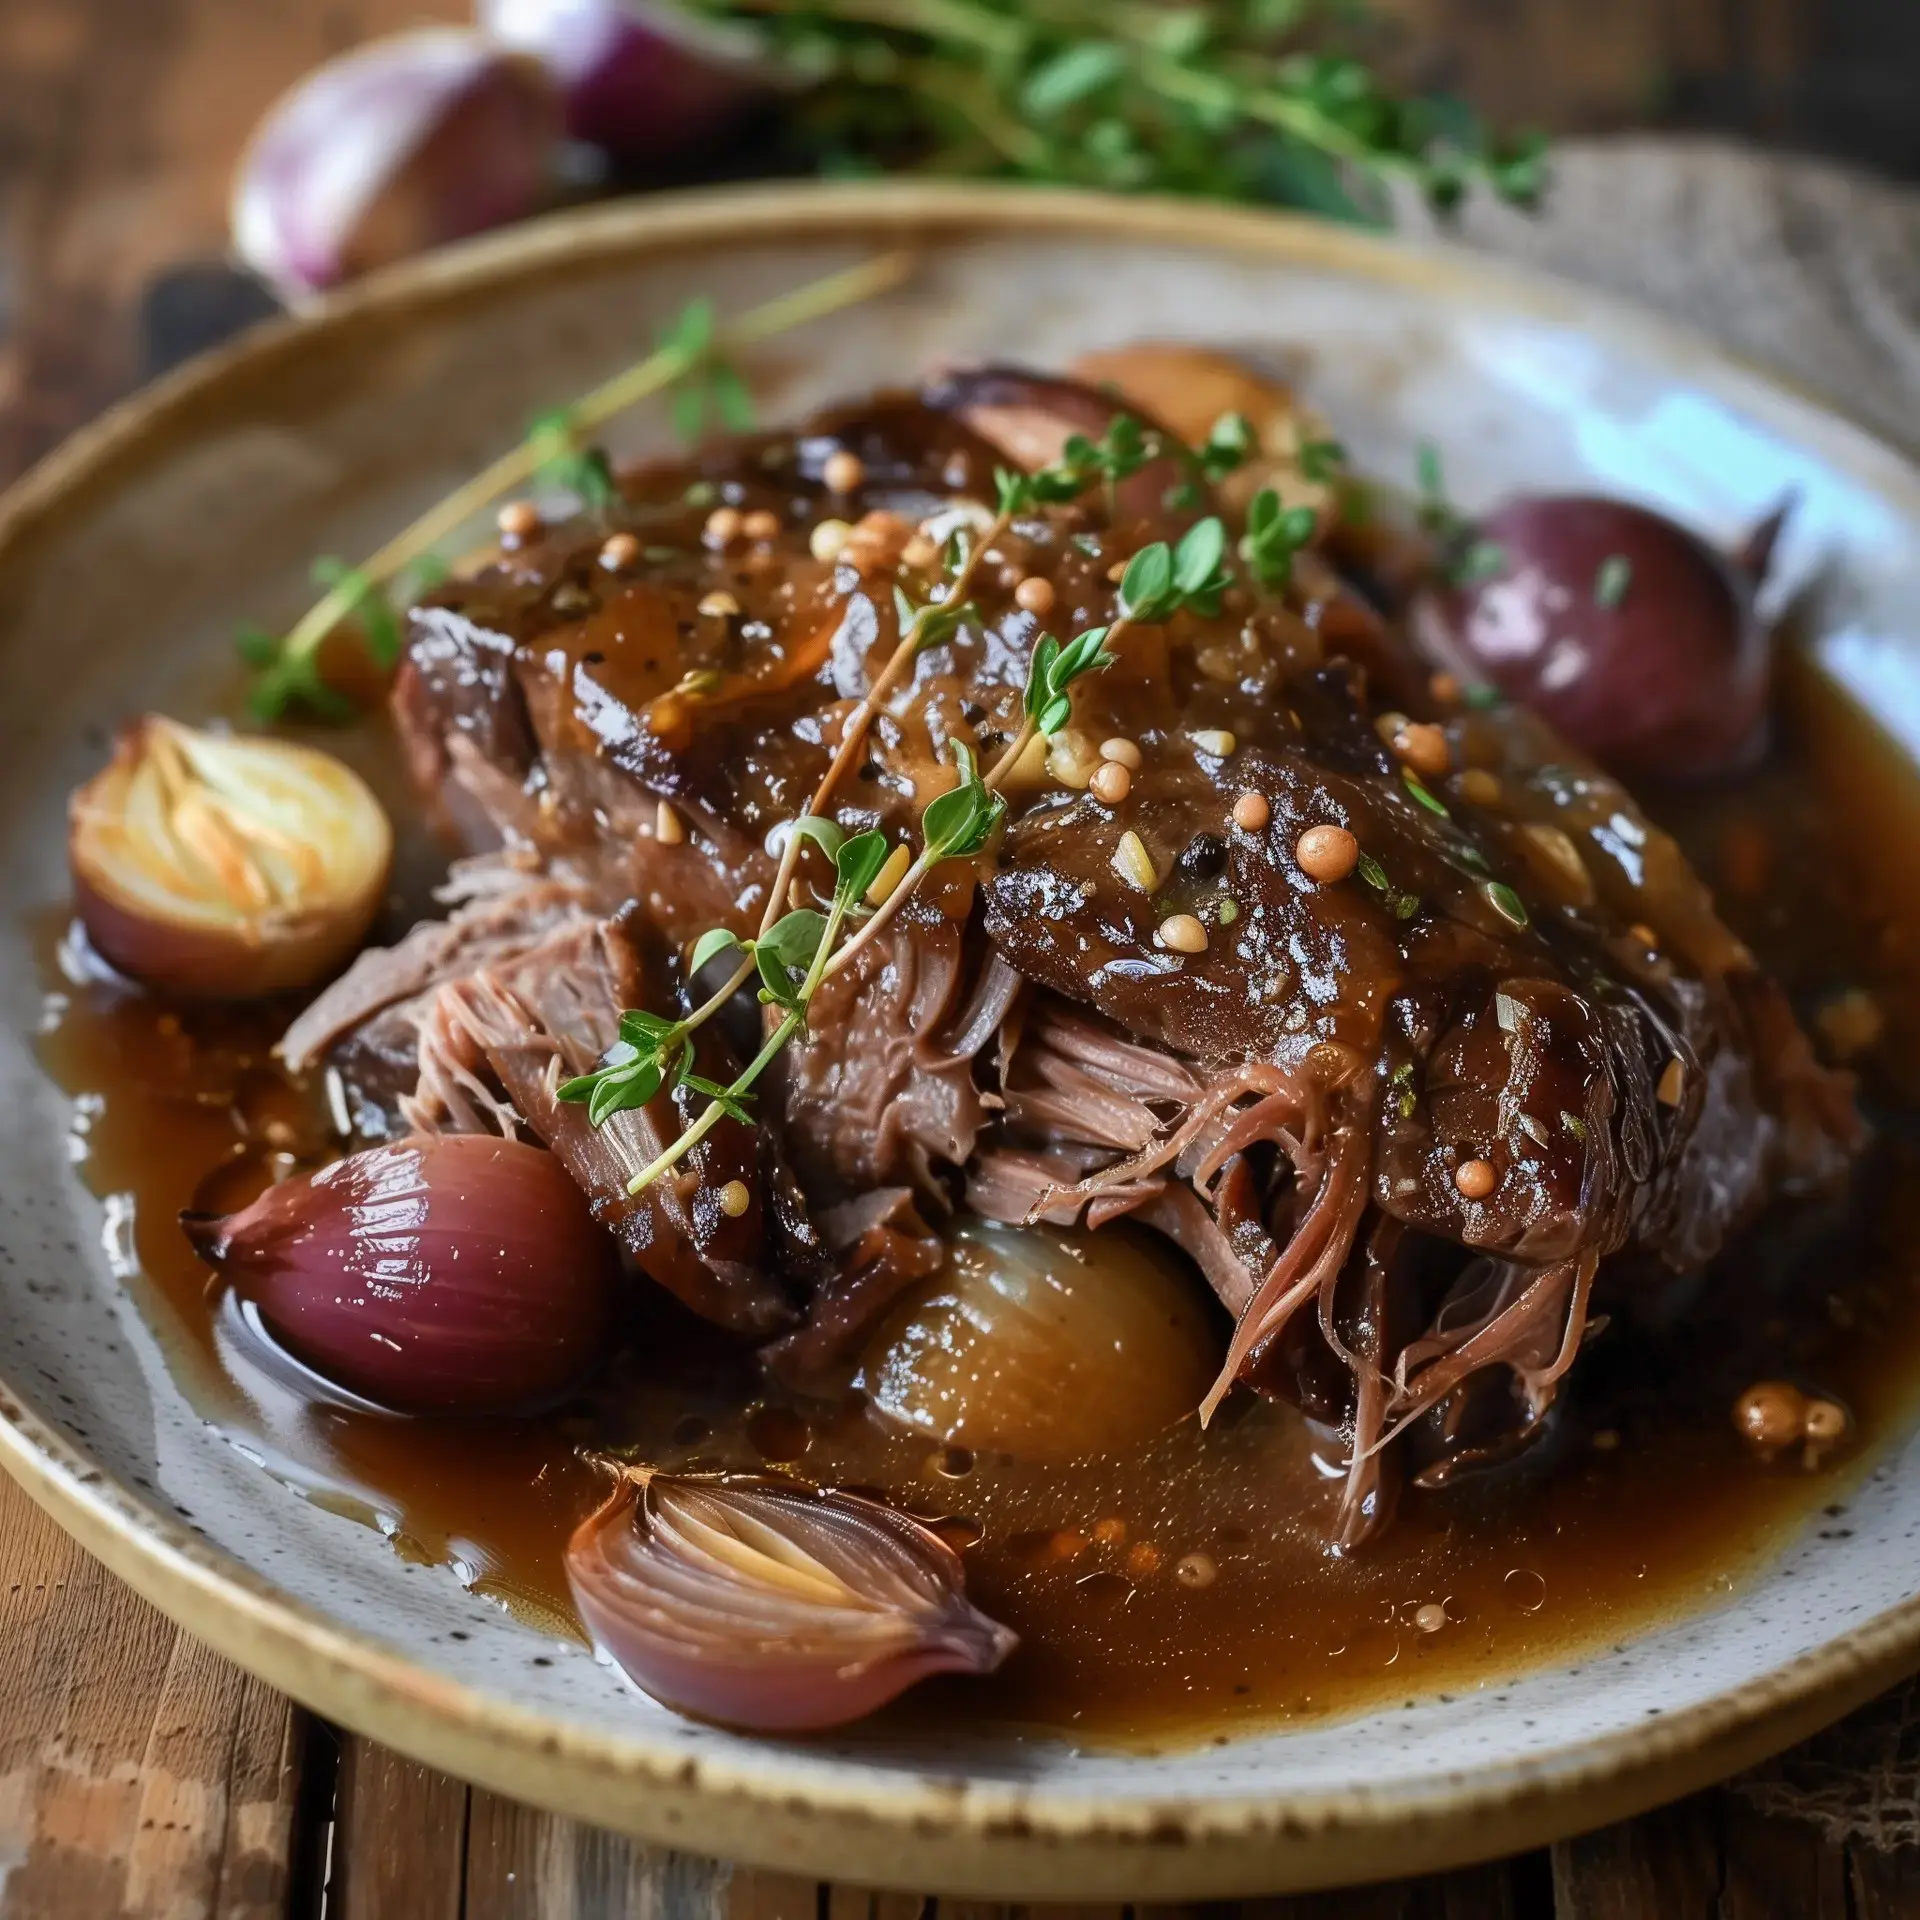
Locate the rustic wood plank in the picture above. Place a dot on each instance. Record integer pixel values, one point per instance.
(1777, 1866)
(400, 1839)
(1885, 1886)
(522, 1864)
(139, 1773)
(859, 1903)
(1663, 1866)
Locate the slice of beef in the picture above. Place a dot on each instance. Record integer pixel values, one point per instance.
(367, 1023)
(494, 1049)
(883, 1094)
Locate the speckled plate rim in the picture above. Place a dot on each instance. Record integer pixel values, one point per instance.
(929, 1832)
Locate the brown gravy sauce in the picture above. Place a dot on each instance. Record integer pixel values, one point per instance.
(1642, 1506)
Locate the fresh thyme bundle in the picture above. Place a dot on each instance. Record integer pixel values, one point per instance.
(1264, 100)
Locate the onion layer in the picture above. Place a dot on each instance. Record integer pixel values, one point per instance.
(763, 1604)
(223, 867)
(455, 1274)
(1046, 1344)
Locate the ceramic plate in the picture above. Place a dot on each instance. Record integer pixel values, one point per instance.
(125, 562)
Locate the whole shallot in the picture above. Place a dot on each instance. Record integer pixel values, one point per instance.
(457, 1273)
(391, 148)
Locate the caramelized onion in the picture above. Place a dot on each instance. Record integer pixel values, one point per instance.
(1045, 1343)
(224, 867)
(764, 1604)
(454, 1274)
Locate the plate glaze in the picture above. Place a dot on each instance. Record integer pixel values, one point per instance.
(127, 559)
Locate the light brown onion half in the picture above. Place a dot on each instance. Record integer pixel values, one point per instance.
(1046, 1343)
(1190, 386)
(224, 867)
(766, 1604)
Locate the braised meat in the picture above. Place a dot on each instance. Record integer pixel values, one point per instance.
(1411, 1120)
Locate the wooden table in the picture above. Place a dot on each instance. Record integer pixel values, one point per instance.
(141, 1775)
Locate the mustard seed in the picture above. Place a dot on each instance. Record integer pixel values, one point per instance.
(1475, 1179)
(1770, 1415)
(1327, 854)
(843, 471)
(1251, 812)
(1182, 933)
(519, 520)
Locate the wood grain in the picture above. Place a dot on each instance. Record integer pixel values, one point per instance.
(139, 1773)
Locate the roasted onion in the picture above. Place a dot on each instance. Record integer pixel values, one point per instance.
(1189, 387)
(393, 147)
(1633, 637)
(1046, 1343)
(764, 1604)
(223, 867)
(454, 1274)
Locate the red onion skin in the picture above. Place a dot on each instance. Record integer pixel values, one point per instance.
(759, 1694)
(634, 81)
(1663, 671)
(394, 147)
(454, 1274)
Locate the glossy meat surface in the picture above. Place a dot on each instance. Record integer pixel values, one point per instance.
(1522, 976)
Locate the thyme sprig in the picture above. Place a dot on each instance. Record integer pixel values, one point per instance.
(796, 952)
(1238, 99)
(694, 349)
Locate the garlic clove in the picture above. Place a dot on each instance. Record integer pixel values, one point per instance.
(766, 1604)
(224, 867)
(400, 144)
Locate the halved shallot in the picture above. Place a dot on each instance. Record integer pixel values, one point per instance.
(458, 1273)
(766, 1604)
(225, 867)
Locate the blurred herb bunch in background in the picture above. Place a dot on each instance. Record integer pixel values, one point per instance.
(1275, 100)
(444, 131)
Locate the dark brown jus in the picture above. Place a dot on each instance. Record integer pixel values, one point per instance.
(461, 1274)
(773, 1606)
(1633, 637)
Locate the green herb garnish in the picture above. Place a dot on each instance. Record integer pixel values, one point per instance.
(1259, 100)
(1610, 584)
(1506, 903)
(287, 669)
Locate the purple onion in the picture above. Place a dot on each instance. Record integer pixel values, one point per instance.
(764, 1604)
(392, 148)
(1633, 637)
(458, 1273)
(640, 81)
